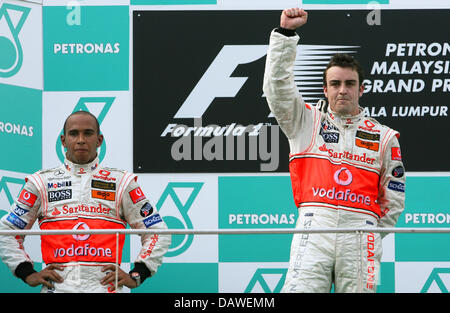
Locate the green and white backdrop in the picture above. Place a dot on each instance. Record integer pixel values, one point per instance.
(144, 67)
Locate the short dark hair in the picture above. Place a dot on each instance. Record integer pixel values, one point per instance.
(85, 113)
(344, 60)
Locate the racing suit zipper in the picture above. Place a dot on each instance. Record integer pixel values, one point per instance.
(84, 186)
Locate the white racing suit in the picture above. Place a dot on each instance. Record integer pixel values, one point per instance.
(346, 172)
(80, 197)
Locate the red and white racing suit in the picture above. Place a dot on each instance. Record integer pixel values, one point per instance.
(76, 197)
(346, 172)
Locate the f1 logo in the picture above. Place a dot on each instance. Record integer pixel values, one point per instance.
(216, 82)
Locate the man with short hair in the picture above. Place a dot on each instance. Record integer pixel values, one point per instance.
(346, 170)
(81, 195)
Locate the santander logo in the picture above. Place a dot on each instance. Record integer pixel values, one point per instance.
(342, 177)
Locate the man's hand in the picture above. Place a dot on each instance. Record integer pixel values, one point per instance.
(293, 18)
(124, 279)
(45, 277)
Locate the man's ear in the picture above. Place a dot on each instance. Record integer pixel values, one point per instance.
(99, 140)
(361, 90)
(63, 140)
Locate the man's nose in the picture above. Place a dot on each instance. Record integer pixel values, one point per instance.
(343, 89)
(81, 139)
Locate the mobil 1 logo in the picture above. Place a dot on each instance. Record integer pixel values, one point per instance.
(205, 110)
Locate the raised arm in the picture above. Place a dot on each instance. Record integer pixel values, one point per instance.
(285, 102)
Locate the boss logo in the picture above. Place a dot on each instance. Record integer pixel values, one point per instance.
(59, 195)
(330, 137)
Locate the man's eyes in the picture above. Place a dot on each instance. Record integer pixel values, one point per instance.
(86, 133)
(349, 83)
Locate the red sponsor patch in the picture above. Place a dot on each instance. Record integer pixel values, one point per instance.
(105, 195)
(27, 198)
(367, 144)
(99, 248)
(396, 154)
(137, 195)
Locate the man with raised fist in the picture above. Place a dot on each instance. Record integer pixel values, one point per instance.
(346, 169)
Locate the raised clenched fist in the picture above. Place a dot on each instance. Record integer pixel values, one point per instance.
(293, 18)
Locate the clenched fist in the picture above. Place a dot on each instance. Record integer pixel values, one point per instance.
(293, 18)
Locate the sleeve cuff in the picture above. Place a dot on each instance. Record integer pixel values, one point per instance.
(285, 31)
(24, 269)
(142, 269)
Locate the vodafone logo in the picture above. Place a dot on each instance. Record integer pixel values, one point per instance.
(27, 198)
(81, 225)
(104, 172)
(369, 124)
(104, 175)
(343, 177)
(136, 195)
